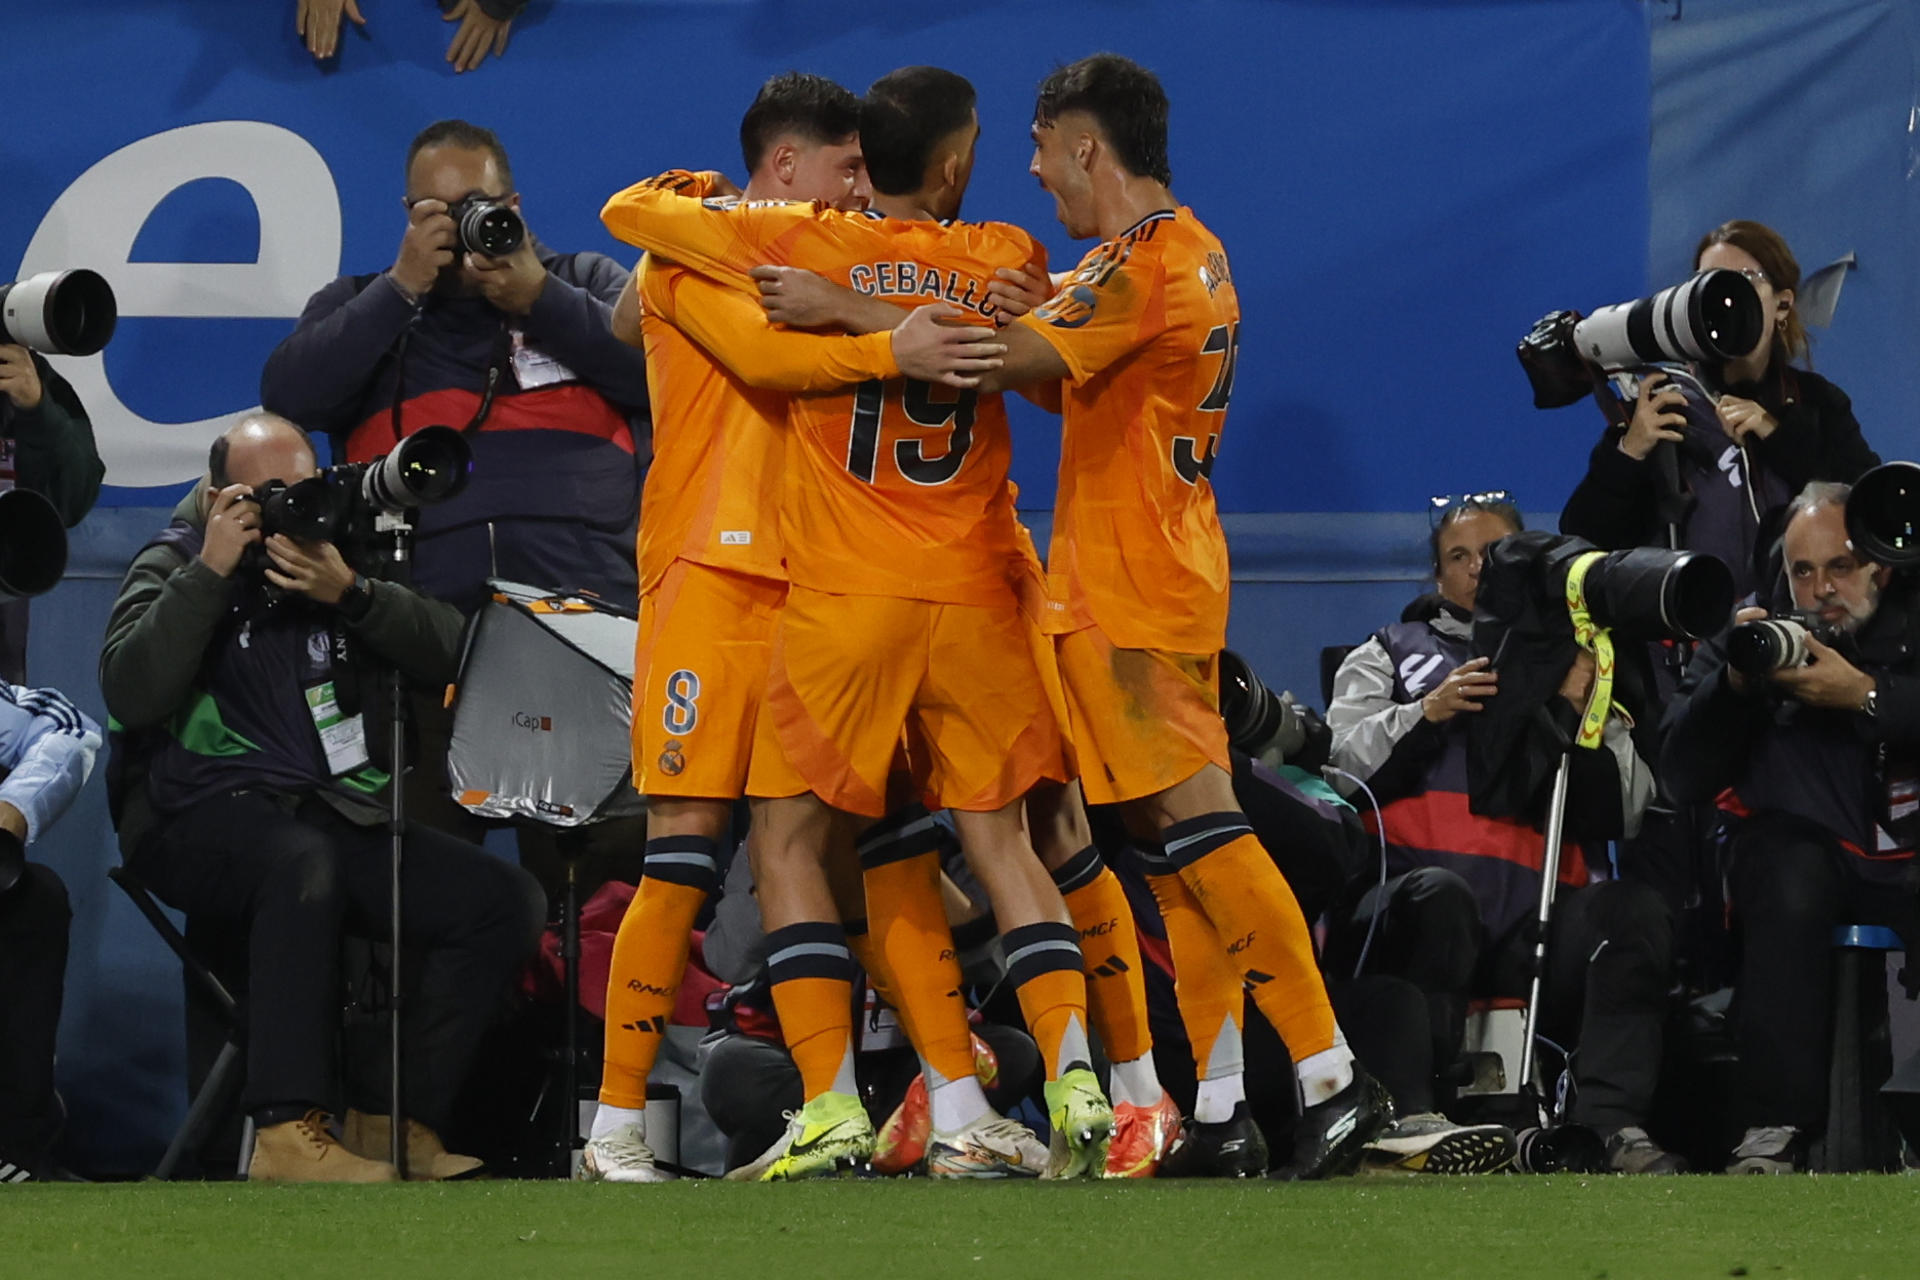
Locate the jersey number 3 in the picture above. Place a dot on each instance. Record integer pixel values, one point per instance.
(916, 401)
(1190, 462)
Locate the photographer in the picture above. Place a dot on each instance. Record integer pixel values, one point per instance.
(517, 351)
(47, 747)
(1795, 757)
(46, 445)
(1773, 428)
(248, 791)
(1454, 915)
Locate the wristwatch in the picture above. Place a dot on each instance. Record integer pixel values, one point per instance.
(357, 600)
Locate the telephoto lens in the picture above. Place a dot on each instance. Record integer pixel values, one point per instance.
(59, 313)
(1767, 645)
(1883, 515)
(431, 465)
(1713, 317)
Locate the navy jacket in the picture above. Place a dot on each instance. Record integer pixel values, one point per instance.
(554, 498)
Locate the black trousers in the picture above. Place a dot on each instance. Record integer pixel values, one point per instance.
(295, 877)
(1609, 965)
(33, 969)
(749, 1083)
(1791, 887)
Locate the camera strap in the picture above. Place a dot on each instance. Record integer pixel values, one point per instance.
(498, 360)
(1598, 641)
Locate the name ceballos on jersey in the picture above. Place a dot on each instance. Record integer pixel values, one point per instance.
(912, 279)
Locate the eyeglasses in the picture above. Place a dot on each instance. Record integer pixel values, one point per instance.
(1754, 275)
(1441, 505)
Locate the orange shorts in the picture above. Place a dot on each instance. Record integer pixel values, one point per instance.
(1029, 582)
(1142, 720)
(700, 679)
(851, 673)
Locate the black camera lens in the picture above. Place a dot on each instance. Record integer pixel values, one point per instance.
(307, 510)
(431, 465)
(1883, 515)
(33, 544)
(488, 227)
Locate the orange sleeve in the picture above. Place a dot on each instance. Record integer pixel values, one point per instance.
(666, 215)
(730, 326)
(1102, 312)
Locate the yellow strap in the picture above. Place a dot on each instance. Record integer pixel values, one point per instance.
(1596, 640)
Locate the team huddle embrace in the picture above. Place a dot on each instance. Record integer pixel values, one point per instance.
(843, 621)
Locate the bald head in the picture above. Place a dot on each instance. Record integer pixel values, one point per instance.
(258, 448)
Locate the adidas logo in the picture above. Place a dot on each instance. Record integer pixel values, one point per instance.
(11, 1172)
(651, 1026)
(1255, 978)
(1111, 967)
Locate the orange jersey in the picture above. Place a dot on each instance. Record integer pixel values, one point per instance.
(893, 487)
(713, 490)
(1149, 326)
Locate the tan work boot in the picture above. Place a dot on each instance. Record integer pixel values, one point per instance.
(303, 1151)
(427, 1159)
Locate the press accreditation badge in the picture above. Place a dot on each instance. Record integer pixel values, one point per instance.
(534, 368)
(343, 737)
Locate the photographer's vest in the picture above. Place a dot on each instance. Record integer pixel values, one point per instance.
(253, 720)
(1726, 495)
(1499, 858)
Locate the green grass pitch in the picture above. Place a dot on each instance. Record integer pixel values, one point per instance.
(1485, 1228)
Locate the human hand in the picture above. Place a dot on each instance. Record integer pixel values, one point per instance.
(476, 35)
(1577, 686)
(317, 22)
(1828, 680)
(427, 247)
(233, 525)
(1457, 693)
(19, 378)
(1656, 417)
(1742, 418)
(512, 283)
(800, 298)
(1016, 292)
(314, 569)
(953, 354)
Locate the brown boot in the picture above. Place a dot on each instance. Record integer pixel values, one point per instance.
(303, 1151)
(427, 1159)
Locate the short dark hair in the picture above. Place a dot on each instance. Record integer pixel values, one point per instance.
(1471, 506)
(811, 106)
(905, 113)
(1124, 99)
(468, 137)
(217, 452)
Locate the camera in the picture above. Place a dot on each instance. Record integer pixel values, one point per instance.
(1270, 727)
(33, 545)
(1642, 593)
(487, 227)
(1560, 1148)
(59, 313)
(1767, 645)
(1713, 317)
(1883, 515)
(429, 466)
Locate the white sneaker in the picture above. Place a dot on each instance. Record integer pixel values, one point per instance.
(991, 1147)
(1768, 1149)
(620, 1156)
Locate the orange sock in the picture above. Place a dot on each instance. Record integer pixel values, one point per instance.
(1205, 984)
(1044, 966)
(811, 972)
(1256, 914)
(649, 958)
(1116, 985)
(910, 939)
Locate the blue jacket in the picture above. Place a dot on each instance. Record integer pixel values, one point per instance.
(554, 497)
